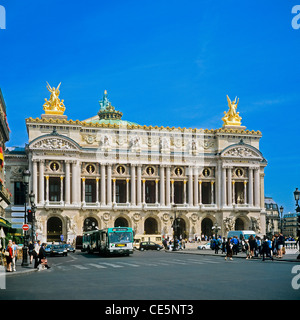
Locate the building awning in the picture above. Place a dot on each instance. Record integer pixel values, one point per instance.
(4, 223)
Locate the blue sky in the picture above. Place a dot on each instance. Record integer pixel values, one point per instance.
(165, 63)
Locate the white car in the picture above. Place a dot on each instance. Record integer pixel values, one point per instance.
(204, 246)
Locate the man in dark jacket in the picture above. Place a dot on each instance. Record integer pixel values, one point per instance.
(42, 256)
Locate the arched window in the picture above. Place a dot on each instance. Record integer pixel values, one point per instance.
(121, 222)
(54, 229)
(151, 226)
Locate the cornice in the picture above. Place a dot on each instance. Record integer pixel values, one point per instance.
(139, 127)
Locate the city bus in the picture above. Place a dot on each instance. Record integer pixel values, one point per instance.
(108, 241)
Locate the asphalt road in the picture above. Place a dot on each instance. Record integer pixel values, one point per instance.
(155, 276)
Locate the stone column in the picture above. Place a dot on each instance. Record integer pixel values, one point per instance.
(200, 192)
(139, 185)
(83, 190)
(223, 182)
(34, 179)
(108, 186)
(190, 182)
(196, 199)
(114, 190)
(256, 187)
(212, 191)
(156, 191)
(184, 191)
(229, 187)
(250, 187)
(67, 182)
(41, 182)
(168, 192)
(233, 192)
(162, 185)
(127, 191)
(97, 191)
(47, 189)
(144, 191)
(172, 191)
(76, 182)
(61, 190)
(245, 192)
(133, 188)
(103, 189)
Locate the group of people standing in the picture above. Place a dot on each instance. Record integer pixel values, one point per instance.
(254, 246)
(11, 255)
(36, 252)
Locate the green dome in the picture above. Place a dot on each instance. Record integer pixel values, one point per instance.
(108, 114)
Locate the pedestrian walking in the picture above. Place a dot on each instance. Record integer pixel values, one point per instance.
(235, 243)
(252, 245)
(36, 252)
(15, 256)
(229, 251)
(266, 249)
(280, 243)
(247, 249)
(223, 245)
(30, 251)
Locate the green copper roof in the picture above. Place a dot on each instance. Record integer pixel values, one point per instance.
(108, 114)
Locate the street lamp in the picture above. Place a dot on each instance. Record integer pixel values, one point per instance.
(33, 209)
(26, 178)
(281, 212)
(297, 196)
(175, 225)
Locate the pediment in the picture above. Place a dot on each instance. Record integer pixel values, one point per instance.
(54, 143)
(242, 151)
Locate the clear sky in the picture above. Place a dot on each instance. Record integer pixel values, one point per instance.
(164, 63)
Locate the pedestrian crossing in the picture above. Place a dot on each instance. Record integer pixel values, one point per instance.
(135, 264)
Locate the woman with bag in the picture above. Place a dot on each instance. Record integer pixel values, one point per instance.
(9, 256)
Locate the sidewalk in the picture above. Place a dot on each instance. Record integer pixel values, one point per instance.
(20, 269)
(191, 248)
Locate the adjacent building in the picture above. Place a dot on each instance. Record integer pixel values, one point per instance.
(106, 171)
(4, 191)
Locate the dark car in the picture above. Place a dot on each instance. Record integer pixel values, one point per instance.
(58, 250)
(146, 245)
(69, 248)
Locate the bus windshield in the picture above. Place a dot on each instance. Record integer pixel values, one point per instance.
(123, 237)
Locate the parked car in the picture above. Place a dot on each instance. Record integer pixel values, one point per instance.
(204, 246)
(149, 245)
(48, 248)
(69, 248)
(58, 250)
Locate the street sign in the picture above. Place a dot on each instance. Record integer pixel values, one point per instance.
(25, 227)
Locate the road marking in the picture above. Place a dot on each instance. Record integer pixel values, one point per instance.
(78, 266)
(130, 264)
(194, 261)
(97, 266)
(111, 265)
(176, 262)
(209, 261)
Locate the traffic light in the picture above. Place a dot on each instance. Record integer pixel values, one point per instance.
(29, 215)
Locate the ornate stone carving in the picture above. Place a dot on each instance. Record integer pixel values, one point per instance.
(54, 144)
(241, 152)
(228, 224)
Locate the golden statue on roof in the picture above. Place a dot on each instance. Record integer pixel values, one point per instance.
(231, 117)
(54, 105)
